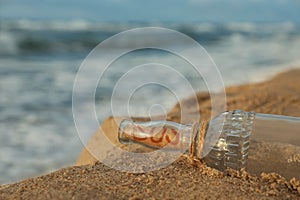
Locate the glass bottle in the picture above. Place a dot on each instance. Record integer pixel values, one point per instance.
(233, 139)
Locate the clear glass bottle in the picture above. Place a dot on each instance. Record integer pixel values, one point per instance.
(233, 139)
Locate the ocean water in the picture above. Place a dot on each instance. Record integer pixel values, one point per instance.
(39, 62)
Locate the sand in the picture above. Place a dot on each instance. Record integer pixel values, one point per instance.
(183, 179)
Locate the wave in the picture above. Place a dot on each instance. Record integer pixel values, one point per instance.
(52, 37)
(84, 25)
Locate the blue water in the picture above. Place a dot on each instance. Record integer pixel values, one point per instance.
(39, 61)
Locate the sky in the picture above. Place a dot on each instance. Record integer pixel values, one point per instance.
(154, 10)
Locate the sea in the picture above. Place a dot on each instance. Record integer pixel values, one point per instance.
(39, 61)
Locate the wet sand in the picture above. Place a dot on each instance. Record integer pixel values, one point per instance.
(182, 179)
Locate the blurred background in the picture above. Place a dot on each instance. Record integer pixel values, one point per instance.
(43, 42)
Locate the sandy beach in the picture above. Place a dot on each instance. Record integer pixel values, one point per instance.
(90, 179)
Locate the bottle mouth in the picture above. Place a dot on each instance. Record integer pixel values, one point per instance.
(122, 136)
(227, 140)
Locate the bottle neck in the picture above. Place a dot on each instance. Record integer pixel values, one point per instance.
(157, 134)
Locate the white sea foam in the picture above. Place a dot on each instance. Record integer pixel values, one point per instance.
(8, 44)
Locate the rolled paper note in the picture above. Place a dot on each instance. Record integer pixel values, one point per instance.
(156, 134)
(232, 139)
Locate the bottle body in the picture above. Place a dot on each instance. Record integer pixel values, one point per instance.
(275, 145)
